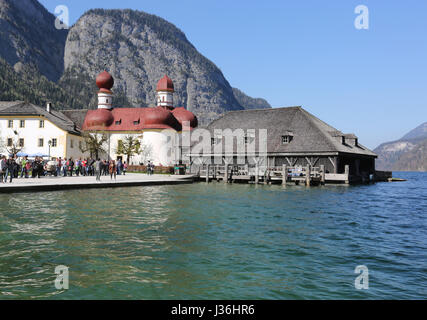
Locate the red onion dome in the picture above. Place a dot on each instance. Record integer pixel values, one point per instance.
(105, 81)
(98, 118)
(182, 114)
(160, 118)
(165, 84)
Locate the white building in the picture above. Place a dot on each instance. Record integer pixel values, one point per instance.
(37, 131)
(45, 132)
(150, 125)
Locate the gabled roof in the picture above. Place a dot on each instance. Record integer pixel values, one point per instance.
(20, 108)
(76, 115)
(310, 134)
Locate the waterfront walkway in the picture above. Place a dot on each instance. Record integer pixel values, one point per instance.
(67, 183)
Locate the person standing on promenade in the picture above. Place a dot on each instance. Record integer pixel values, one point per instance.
(98, 169)
(64, 167)
(9, 169)
(78, 164)
(105, 167)
(84, 167)
(91, 167)
(2, 167)
(119, 167)
(148, 168)
(28, 167)
(58, 166)
(112, 169)
(24, 167)
(15, 168)
(125, 168)
(70, 166)
(35, 167)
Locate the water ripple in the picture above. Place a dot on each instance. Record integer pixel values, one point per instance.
(217, 241)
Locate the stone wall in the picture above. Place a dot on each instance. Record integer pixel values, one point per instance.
(157, 169)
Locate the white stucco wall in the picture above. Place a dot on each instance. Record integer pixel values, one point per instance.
(31, 134)
(73, 149)
(156, 141)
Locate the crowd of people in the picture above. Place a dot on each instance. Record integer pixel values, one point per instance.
(89, 167)
(13, 167)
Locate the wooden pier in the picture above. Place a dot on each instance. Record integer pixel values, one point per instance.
(310, 176)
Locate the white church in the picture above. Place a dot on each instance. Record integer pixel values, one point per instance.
(49, 133)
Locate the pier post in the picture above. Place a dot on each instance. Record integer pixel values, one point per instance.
(284, 173)
(347, 173)
(207, 173)
(257, 173)
(308, 176)
(226, 173)
(322, 174)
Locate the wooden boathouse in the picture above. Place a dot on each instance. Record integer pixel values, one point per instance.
(298, 148)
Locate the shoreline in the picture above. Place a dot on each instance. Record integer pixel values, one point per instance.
(43, 184)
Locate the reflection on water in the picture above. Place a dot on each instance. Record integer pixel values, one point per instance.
(216, 241)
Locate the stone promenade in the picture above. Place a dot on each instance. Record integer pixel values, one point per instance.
(67, 183)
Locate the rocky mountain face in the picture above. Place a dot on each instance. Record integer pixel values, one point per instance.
(135, 47)
(138, 49)
(27, 84)
(250, 103)
(28, 36)
(406, 154)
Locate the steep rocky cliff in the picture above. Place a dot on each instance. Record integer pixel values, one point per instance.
(406, 154)
(138, 49)
(39, 63)
(249, 102)
(28, 35)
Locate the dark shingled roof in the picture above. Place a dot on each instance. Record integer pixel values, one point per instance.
(20, 108)
(77, 116)
(310, 134)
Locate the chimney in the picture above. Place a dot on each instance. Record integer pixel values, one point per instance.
(49, 107)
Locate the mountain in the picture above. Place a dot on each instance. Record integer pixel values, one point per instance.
(419, 132)
(39, 63)
(138, 49)
(406, 154)
(25, 83)
(250, 103)
(28, 35)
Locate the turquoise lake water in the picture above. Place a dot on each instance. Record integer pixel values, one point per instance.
(217, 241)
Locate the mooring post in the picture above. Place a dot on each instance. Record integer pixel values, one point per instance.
(226, 173)
(322, 174)
(308, 176)
(347, 173)
(207, 173)
(257, 173)
(284, 173)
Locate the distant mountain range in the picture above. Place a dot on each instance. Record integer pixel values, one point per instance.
(406, 154)
(39, 63)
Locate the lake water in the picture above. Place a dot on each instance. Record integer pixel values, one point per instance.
(217, 241)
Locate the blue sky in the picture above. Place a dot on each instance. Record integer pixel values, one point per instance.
(369, 82)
